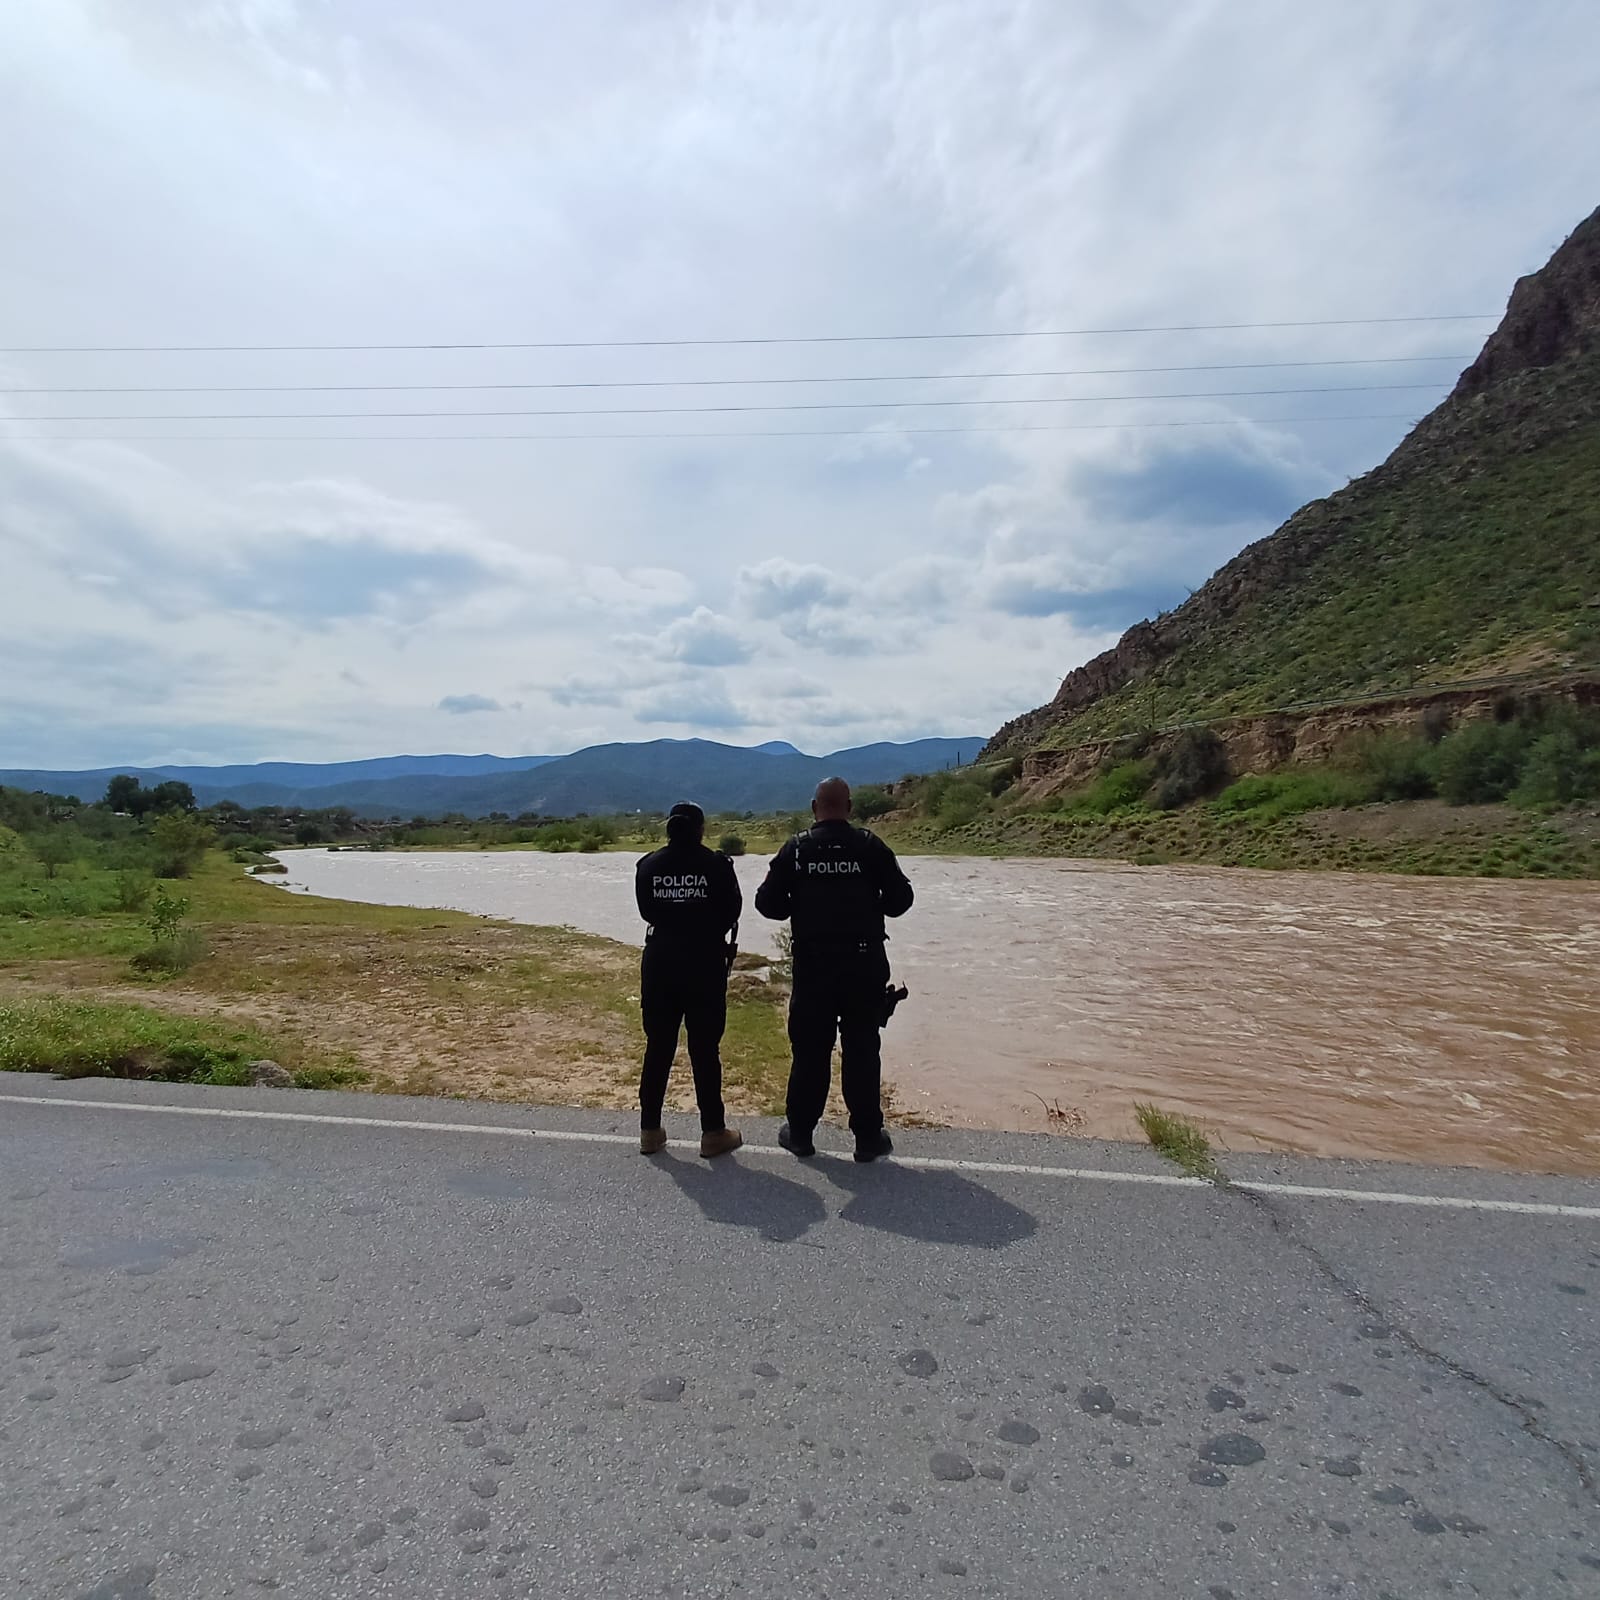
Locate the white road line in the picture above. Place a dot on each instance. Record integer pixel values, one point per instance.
(1441, 1202)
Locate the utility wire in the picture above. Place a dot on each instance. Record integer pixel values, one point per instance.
(661, 411)
(757, 433)
(709, 383)
(664, 344)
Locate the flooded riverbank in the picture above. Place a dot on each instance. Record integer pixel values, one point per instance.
(1403, 1018)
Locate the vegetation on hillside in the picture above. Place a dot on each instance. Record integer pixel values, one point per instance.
(1540, 770)
(1427, 583)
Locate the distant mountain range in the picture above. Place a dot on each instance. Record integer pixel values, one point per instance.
(602, 778)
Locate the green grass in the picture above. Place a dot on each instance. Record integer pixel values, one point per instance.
(81, 1039)
(1500, 844)
(1179, 1140)
(1268, 797)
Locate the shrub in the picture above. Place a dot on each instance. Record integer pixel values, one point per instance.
(179, 841)
(1481, 762)
(1562, 763)
(871, 800)
(953, 799)
(730, 844)
(959, 806)
(56, 848)
(1194, 764)
(1122, 786)
(1269, 796)
(1397, 766)
(131, 890)
(998, 776)
(173, 947)
(172, 955)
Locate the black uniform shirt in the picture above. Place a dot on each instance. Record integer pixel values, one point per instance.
(689, 895)
(836, 883)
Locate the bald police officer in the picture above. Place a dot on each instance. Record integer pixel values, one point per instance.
(690, 897)
(836, 883)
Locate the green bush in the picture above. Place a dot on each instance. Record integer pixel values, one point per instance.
(174, 947)
(871, 800)
(56, 848)
(173, 955)
(1481, 762)
(1194, 764)
(179, 841)
(1270, 796)
(1397, 766)
(959, 805)
(953, 798)
(1122, 786)
(1562, 763)
(131, 890)
(730, 844)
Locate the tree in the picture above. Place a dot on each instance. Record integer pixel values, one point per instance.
(173, 795)
(124, 793)
(55, 847)
(180, 840)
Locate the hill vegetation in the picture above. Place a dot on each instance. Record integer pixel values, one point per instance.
(1518, 798)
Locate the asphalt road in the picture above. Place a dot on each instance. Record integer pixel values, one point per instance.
(307, 1358)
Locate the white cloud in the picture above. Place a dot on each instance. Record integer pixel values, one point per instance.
(779, 587)
(267, 172)
(702, 639)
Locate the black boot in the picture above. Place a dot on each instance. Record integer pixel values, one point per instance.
(874, 1145)
(796, 1143)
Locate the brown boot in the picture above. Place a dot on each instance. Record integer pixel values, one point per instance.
(652, 1141)
(720, 1142)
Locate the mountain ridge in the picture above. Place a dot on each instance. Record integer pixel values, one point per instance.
(646, 776)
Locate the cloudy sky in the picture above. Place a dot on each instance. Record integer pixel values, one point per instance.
(281, 578)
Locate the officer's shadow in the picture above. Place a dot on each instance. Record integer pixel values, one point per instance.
(747, 1196)
(928, 1204)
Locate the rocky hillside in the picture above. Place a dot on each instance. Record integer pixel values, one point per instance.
(1473, 550)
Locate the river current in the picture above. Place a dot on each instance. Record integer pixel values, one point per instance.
(1418, 1019)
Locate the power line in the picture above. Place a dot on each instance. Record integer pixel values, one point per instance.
(756, 433)
(666, 344)
(663, 411)
(709, 383)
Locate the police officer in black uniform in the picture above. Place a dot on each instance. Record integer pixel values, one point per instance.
(836, 883)
(690, 897)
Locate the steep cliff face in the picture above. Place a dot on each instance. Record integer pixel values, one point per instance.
(1552, 313)
(1475, 547)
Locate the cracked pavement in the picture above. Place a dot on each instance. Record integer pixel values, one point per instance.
(264, 1357)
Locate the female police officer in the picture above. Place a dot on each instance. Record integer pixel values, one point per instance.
(690, 897)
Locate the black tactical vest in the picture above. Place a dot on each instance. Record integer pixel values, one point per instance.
(835, 896)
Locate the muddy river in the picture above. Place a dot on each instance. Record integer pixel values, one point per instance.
(1416, 1019)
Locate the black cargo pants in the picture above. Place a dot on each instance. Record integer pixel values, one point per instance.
(683, 989)
(838, 993)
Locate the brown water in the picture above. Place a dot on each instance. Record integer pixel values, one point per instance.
(1436, 1020)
